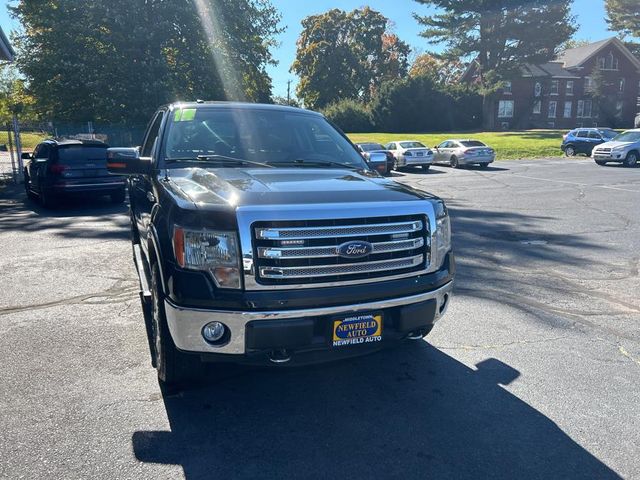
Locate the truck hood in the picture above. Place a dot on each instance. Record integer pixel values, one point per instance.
(235, 187)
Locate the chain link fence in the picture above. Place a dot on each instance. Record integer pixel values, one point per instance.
(113, 135)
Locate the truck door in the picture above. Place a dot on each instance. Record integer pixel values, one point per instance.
(142, 190)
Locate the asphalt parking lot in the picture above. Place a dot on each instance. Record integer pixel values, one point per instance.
(533, 373)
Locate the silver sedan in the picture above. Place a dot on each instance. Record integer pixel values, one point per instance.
(409, 153)
(457, 152)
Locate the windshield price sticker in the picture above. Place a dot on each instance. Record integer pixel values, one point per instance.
(184, 115)
(358, 329)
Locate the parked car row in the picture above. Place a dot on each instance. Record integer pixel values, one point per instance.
(604, 145)
(411, 153)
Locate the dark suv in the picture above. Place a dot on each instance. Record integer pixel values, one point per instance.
(262, 236)
(582, 140)
(65, 167)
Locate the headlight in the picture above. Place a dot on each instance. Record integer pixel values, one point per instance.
(212, 251)
(443, 234)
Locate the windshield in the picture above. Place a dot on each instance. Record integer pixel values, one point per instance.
(269, 137)
(369, 147)
(74, 154)
(472, 143)
(412, 145)
(630, 136)
(608, 133)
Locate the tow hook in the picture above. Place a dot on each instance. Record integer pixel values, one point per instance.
(279, 356)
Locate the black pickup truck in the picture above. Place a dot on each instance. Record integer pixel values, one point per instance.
(261, 236)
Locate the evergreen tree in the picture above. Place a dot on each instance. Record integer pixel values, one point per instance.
(498, 35)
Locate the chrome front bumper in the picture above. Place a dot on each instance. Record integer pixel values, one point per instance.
(186, 324)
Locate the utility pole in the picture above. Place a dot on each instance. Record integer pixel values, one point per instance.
(288, 92)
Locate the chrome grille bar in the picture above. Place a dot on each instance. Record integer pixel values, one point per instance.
(341, 231)
(341, 269)
(328, 251)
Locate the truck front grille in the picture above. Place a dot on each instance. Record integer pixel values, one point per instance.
(295, 252)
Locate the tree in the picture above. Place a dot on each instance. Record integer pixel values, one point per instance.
(442, 70)
(116, 61)
(346, 55)
(623, 16)
(499, 36)
(14, 97)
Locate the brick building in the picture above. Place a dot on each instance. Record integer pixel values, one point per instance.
(560, 93)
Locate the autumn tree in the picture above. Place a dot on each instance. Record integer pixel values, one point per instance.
(443, 71)
(346, 55)
(116, 61)
(499, 36)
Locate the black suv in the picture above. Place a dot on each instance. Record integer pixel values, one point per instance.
(261, 236)
(582, 140)
(66, 167)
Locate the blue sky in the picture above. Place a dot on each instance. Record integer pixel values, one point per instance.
(589, 13)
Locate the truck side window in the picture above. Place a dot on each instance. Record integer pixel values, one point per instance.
(152, 134)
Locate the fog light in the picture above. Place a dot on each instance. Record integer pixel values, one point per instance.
(213, 331)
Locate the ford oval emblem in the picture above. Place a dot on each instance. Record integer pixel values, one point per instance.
(355, 249)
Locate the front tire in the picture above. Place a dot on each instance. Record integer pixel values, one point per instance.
(176, 369)
(425, 167)
(631, 160)
(601, 162)
(570, 151)
(454, 162)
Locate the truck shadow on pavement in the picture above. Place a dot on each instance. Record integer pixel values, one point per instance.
(411, 412)
(82, 217)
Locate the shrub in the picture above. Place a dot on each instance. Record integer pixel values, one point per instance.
(350, 115)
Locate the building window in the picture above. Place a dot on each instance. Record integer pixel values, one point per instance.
(505, 109)
(621, 85)
(537, 90)
(507, 87)
(588, 84)
(569, 87)
(584, 109)
(537, 106)
(553, 106)
(555, 87)
(568, 107)
(608, 62)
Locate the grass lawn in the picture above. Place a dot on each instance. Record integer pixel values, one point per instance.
(508, 145)
(29, 140)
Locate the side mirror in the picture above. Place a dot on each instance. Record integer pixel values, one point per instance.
(378, 162)
(436, 147)
(26, 156)
(126, 161)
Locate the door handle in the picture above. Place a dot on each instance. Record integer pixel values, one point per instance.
(151, 197)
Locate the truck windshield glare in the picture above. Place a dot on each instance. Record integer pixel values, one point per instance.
(273, 137)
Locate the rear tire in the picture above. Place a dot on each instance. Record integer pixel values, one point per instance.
(425, 167)
(631, 160)
(118, 197)
(454, 162)
(176, 369)
(483, 165)
(570, 151)
(47, 200)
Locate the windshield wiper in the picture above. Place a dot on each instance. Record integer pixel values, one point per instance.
(216, 159)
(300, 162)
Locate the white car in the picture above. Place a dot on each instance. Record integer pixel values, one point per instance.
(410, 153)
(625, 149)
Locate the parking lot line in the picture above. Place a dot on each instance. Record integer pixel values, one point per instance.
(576, 183)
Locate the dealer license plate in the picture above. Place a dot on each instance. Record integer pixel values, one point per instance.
(366, 328)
